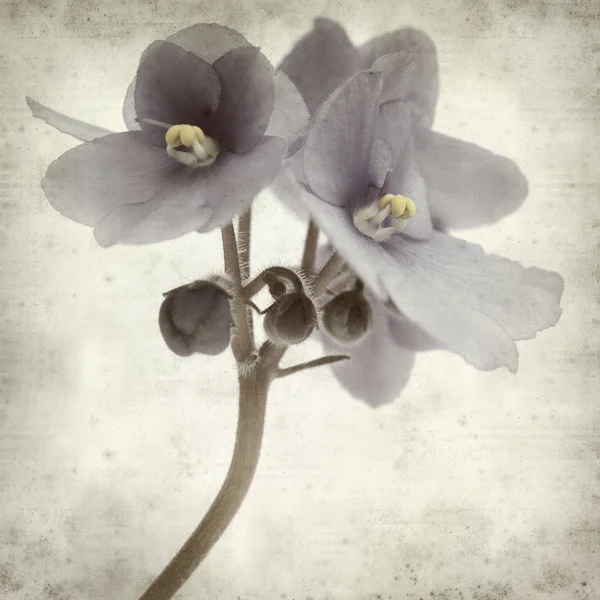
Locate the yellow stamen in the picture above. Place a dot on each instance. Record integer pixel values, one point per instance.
(402, 207)
(172, 135)
(411, 210)
(393, 210)
(204, 150)
(184, 135)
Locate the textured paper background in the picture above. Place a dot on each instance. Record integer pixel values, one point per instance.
(482, 486)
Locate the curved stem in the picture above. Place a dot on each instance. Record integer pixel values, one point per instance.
(252, 408)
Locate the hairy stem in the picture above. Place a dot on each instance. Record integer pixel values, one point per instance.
(244, 232)
(328, 274)
(310, 247)
(252, 408)
(242, 344)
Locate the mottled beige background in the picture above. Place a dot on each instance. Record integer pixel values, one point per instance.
(481, 486)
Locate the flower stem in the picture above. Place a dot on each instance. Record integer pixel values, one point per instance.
(252, 408)
(327, 274)
(310, 247)
(244, 231)
(242, 345)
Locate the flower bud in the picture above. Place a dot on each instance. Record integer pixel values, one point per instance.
(291, 319)
(196, 318)
(347, 318)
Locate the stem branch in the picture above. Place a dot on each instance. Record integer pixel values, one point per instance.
(310, 247)
(327, 274)
(318, 362)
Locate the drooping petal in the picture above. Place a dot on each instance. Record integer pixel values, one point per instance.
(90, 180)
(320, 62)
(472, 303)
(378, 368)
(468, 186)
(246, 101)
(425, 83)
(290, 115)
(208, 41)
(195, 199)
(475, 304)
(409, 335)
(174, 86)
(73, 127)
(337, 152)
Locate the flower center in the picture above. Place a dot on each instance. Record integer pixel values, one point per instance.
(190, 146)
(384, 217)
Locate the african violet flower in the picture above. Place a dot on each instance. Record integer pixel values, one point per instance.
(209, 124)
(466, 185)
(442, 291)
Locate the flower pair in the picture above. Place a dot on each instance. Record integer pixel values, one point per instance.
(211, 124)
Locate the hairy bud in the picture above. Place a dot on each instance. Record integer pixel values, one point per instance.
(196, 318)
(347, 317)
(291, 319)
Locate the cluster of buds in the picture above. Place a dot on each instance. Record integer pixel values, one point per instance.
(196, 318)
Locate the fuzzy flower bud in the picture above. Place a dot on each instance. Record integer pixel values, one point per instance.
(291, 319)
(196, 318)
(347, 317)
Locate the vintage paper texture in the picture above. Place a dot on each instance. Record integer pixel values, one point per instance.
(482, 486)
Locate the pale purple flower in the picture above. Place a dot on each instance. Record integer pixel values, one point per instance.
(156, 182)
(445, 292)
(467, 186)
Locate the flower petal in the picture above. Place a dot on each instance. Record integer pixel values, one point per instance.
(208, 41)
(247, 98)
(195, 199)
(90, 180)
(468, 186)
(378, 368)
(290, 115)
(425, 84)
(407, 180)
(78, 129)
(320, 62)
(475, 304)
(337, 152)
(395, 124)
(399, 71)
(174, 86)
(129, 114)
(409, 335)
